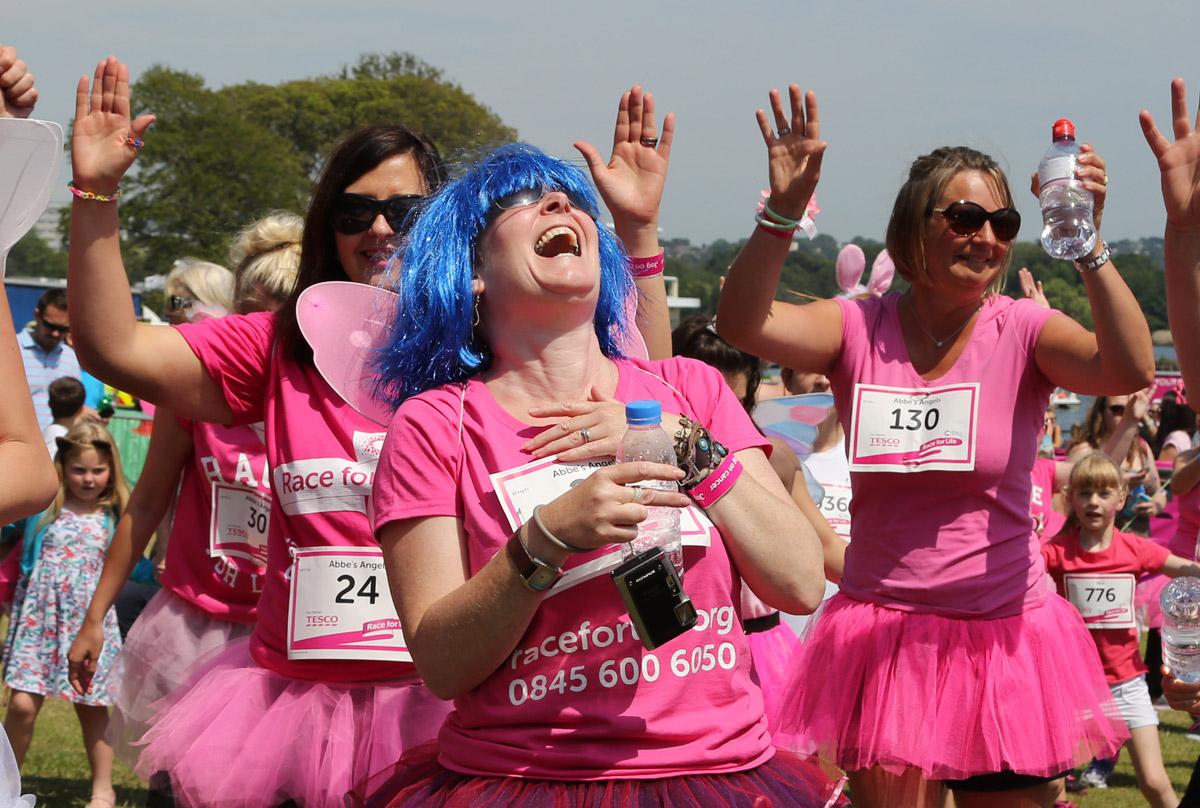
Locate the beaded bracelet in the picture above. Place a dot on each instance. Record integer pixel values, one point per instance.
(647, 267)
(718, 483)
(79, 193)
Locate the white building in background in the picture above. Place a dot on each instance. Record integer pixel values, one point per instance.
(46, 226)
(676, 304)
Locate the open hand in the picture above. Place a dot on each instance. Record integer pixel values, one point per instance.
(103, 137)
(794, 151)
(631, 182)
(1178, 162)
(1033, 288)
(590, 429)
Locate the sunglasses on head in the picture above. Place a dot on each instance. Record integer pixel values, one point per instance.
(531, 196)
(179, 303)
(966, 219)
(354, 213)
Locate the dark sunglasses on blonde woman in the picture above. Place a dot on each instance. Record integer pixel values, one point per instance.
(966, 219)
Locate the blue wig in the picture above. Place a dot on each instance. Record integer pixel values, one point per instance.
(434, 341)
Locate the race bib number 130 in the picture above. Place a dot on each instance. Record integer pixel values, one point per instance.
(906, 430)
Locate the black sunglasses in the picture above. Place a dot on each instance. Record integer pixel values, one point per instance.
(531, 196)
(54, 328)
(354, 213)
(966, 219)
(1117, 409)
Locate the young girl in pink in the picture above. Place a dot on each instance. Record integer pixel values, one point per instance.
(64, 552)
(1095, 567)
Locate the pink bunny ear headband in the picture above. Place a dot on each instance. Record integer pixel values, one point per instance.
(851, 262)
(806, 221)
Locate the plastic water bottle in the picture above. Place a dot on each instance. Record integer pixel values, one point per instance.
(645, 440)
(1180, 603)
(1068, 231)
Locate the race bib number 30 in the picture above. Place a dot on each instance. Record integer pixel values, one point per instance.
(340, 607)
(906, 430)
(240, 519)
(1104, 601)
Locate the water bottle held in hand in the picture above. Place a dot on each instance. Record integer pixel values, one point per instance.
(1068, 231)
(1180, 603)
(645, 440)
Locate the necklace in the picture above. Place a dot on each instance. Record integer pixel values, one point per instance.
(938, 343)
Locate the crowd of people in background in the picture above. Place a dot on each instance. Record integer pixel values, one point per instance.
(311, 488)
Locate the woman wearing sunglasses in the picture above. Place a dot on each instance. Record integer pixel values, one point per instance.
(296, 714)
(946, 660)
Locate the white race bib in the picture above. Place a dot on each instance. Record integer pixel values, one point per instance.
(1103, 600)
(835, 507)
(340, 607)
(237, 527)
(523, 488)
(908, 430)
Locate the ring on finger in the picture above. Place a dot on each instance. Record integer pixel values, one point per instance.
(585, 434)
(638, 493)
(1104, 181)
(784, 131)
(135, 142)
(650, 142)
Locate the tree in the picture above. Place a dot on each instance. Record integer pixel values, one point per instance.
(215, 160)
(32, 256)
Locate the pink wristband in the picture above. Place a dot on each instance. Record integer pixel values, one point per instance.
(646, 267)
(718, 483)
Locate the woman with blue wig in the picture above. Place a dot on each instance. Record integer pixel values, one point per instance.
(512, 298)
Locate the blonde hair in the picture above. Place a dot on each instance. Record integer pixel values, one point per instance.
(89, 435)
(927, 180)
(266, 256)
(1095, 471)
(210, 284)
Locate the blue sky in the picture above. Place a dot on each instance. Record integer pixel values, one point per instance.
(895, 79)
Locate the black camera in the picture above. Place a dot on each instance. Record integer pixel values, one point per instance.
(654, 597)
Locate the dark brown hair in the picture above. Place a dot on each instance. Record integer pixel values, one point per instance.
(356, 155)
(696, 338)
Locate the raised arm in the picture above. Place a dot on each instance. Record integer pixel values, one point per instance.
(27, 475)
(807, 337)
(631, 184)
(150, 362)
(1179, 168)
(1118, 357)
(170, 448)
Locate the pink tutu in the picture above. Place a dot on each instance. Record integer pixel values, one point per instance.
(771, 652)
(784, 781)
(241, 736)
(951, 697)
(166, 642)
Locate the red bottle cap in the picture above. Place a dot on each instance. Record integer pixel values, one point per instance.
(1063, 129)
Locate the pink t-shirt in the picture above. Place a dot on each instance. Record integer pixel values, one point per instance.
(1187, 531)
(956, 543)
(224, 458)
(580, 698)
(1128, 553)
(1046, 521)
(322, 456)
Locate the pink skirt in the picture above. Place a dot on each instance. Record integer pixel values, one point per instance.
(166, 642)
(771, 652)
(950, 697)
(241, 736)
(784, 781)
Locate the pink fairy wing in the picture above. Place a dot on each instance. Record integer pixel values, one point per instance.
(346, 324)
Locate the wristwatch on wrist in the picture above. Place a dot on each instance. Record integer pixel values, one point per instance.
(536, 574)
(1100, 259)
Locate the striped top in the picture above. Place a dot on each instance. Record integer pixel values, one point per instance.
(43, 367)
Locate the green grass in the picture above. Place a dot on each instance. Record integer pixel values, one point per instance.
(57, 771)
